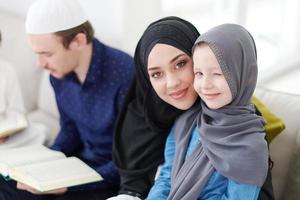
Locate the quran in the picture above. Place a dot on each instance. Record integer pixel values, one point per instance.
(44, 169)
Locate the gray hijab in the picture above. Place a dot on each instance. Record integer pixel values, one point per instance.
(232, 137)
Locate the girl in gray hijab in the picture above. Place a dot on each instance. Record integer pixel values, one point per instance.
(220, 150)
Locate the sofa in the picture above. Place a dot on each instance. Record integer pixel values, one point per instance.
(41, 107)
(285, 148)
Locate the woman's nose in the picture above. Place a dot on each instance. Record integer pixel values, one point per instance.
(172, 81)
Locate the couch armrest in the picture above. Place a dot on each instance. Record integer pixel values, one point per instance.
(287, 107)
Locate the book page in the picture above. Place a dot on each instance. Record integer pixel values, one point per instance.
(55, 174)
(25, 155)
(12, 125)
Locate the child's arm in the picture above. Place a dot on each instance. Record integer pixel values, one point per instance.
(237, 190)
(219, 187)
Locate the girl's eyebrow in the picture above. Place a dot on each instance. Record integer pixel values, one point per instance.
(210, 68)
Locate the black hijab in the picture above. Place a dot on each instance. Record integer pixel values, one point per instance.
(145, 120)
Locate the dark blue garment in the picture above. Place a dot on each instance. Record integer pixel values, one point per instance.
(88, 111)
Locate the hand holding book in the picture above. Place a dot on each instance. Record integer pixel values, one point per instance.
(22, 186)
(12, 125)
(2, 140)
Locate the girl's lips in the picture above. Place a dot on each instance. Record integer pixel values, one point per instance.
(211, 96)
(179, 94)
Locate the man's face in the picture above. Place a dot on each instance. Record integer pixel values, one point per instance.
(52, 55)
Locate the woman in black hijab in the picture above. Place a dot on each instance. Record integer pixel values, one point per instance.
(145, 120)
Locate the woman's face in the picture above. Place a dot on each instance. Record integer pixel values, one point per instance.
(210, 82)
(171, 75)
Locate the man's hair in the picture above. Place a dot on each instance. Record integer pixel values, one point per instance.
(70, 34)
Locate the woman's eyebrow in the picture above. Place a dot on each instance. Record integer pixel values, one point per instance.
(176, 57)
(171, 61)
(153, 68)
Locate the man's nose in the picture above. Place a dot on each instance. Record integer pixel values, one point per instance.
(41, 62)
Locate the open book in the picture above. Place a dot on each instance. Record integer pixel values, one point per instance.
(12, 125)
(45, 169)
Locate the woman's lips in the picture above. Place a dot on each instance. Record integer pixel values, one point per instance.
(179, 94)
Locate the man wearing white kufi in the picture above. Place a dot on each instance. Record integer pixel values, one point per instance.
(90, 80)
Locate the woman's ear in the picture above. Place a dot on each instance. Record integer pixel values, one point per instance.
(78, 42)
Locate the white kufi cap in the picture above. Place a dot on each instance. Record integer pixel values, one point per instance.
(50, 16)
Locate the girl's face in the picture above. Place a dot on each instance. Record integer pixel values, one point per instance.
(171, 75)
(210, 82)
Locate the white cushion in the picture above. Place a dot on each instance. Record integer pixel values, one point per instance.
(46, 98)
(51, 122)
(292, 191)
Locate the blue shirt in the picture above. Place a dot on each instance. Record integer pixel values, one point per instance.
(218, 187)
(88, 111)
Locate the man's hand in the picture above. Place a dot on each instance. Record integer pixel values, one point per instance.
(3, 139)
(22, 186)
(123, 197)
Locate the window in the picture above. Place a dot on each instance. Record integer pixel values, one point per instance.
(273, 24)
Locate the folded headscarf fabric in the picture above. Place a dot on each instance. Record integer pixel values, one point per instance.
(145, 119)
(232, 137)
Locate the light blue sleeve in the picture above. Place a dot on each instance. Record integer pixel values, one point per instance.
(161, 188)
(237, 190)
(219, 187)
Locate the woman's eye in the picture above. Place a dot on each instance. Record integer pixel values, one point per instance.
(180, 64)
(156, 75)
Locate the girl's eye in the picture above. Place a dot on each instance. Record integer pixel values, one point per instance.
(217, 74)
(156, 74)
(180, 64)
(198, 73)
